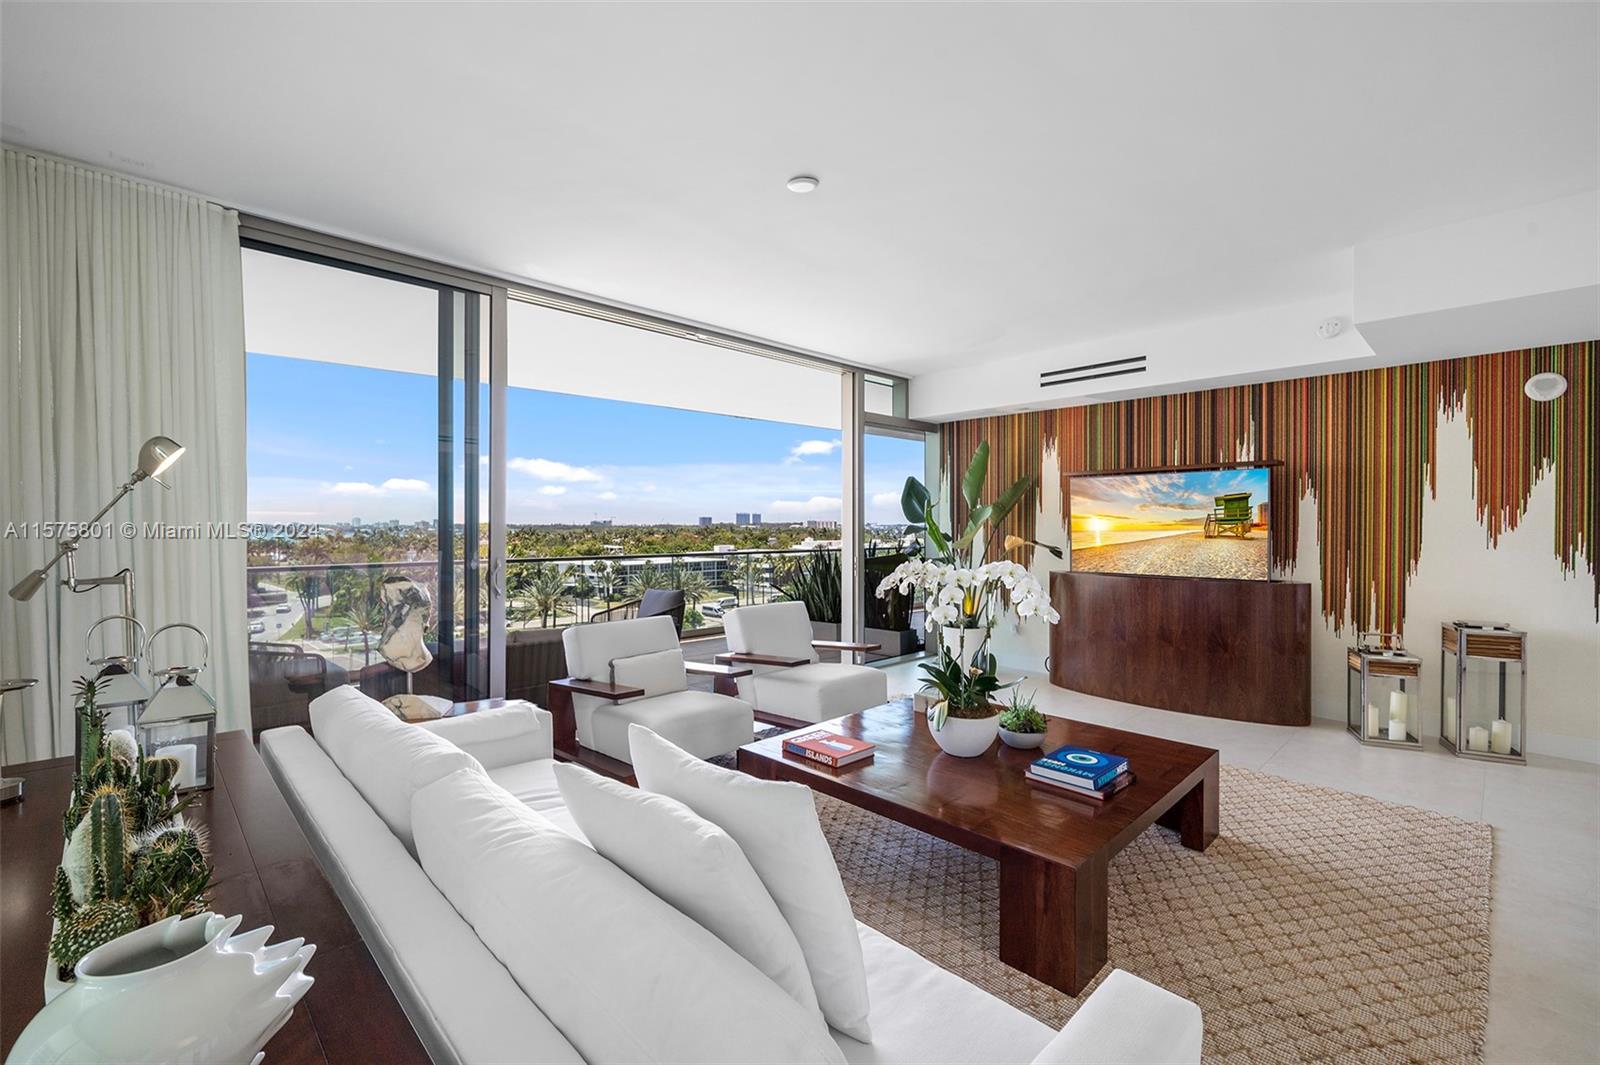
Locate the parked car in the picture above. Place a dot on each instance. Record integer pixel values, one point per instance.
(715, 608)
(285, 608)
(257, 627)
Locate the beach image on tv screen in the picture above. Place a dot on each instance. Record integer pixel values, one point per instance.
(1191, 523)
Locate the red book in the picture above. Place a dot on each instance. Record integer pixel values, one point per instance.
(828, 748)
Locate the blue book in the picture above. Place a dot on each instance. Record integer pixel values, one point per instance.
(1080, 766)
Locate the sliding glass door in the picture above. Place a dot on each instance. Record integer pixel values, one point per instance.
(368, 402)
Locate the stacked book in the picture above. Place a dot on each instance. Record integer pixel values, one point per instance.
(828, 748)
(1080, 771)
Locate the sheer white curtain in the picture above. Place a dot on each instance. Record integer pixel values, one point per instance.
(122, 319)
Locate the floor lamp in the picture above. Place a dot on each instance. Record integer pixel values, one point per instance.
(155, 457)
(10, 787)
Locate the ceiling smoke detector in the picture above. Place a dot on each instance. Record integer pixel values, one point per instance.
(1543, 387)
(803, 183)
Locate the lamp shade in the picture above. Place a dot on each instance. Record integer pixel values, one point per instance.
(28, 586)
(158, 454)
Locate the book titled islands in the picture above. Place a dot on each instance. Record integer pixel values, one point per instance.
(828, 748)
(1082, 772)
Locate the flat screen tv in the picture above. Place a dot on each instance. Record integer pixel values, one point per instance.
(1173, 523)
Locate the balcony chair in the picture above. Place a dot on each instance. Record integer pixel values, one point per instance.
(787, 684)
(627, 671)
(657, 602)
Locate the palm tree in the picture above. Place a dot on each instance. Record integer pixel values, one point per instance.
(607, 581)
(644, 578)
(692, 583)
(582, 591)
(547, 587)
(745, 571)
(307, 587)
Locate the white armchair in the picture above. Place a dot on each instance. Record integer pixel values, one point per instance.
(633, 671)
(787, 684)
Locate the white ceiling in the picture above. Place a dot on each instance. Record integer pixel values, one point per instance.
(995, 178)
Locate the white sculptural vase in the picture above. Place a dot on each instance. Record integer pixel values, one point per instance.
(182, 989)
(963, 644)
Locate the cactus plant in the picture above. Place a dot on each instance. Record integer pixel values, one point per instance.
(129, 860)
(93, 924)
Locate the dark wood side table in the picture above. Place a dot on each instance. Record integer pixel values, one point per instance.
(263, 869)
(1053, 848)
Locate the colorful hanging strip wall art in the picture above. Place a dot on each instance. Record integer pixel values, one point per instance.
(1014, 452)
(1362, 444)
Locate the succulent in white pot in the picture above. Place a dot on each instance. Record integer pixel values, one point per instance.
(1021, 724)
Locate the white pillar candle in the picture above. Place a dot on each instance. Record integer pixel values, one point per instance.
(1477, 738)
(1450, 718)
(1397, 729)
(184, 753)
(1500, 737)
(1397, 706)
(1373, 720)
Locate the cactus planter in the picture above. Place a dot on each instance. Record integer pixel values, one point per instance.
(182, 989)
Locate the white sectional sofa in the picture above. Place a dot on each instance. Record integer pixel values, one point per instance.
(352, 789)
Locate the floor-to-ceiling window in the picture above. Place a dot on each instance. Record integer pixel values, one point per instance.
(638, 460)
(367, 416)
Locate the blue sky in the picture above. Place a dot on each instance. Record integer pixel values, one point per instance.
(331, 442)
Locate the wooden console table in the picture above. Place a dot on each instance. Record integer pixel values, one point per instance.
(263, 869)
(1234, 649)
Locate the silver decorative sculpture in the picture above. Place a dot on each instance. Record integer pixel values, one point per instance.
(404, 646)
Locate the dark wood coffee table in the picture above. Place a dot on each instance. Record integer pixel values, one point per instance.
(1053, 849)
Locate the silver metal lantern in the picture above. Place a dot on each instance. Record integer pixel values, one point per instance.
(180, 720)
(1383, 686)
(1483, 711)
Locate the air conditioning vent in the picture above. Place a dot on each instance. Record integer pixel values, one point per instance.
(1092, 371)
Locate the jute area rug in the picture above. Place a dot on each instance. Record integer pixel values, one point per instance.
(1320, 926)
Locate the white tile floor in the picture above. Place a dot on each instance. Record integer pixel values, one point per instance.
(1544, 990)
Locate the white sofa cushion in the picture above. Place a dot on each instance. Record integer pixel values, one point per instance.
(462, 1002)
(694, 865)
(534, 785)
(654, 672)
(817, 691)
(782, 629)
(775, 824)
(623, 975)
(1129, 1021)
(504, 735)
(385, 758)
(922, 1013)
(703, 723)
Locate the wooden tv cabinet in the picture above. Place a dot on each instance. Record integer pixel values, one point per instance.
(1234, 649)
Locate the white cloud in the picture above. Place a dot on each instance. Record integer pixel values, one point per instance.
(606, 495)
(815, 507)
(366, 488)
(550, 470)
(808, 448)
(406, 484)
(885, 499)
(553, 490)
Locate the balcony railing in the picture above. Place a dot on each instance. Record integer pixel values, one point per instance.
(316, 625)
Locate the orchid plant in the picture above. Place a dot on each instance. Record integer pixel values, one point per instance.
(962, 593)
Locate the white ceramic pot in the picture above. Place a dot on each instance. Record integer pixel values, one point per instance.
(1022, 741)
(963, 644)
(964, 737)
(176, 990)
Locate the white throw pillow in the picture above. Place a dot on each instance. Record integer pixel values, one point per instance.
(775, 824)
(502, 736)
(385, 758)
(657, 672)
(694, 865)
(626, 977)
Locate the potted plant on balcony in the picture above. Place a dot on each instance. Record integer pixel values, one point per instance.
(964, 601)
